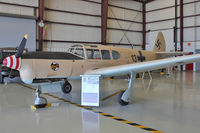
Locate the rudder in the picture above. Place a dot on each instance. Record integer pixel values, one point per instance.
(159, 45)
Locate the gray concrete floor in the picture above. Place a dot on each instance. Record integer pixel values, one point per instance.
(168, 103)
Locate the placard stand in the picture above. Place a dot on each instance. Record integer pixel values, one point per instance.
(90, 90)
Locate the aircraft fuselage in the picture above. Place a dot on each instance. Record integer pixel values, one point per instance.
(42, 65)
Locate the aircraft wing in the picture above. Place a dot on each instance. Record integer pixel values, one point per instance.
(145, 66)
(171, 53)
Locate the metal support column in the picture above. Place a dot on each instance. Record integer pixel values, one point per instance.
(175, 28)
(144, 25)
(181, 28)
(104, 14)
(40, 21)
(181, 25)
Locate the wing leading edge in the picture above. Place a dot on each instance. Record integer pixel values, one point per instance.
(145, 66)
(172, 53)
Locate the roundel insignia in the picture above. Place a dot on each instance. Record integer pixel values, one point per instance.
(54, 66)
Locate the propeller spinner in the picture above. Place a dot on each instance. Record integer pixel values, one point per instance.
(14, 61)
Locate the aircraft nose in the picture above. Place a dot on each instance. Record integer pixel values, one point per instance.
(12, 62)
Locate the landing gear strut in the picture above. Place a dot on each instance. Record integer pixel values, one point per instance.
(66, 87)
(122, 102)
(124, 96)
(40, 102)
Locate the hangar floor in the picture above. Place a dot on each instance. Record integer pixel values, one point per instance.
(167, 103)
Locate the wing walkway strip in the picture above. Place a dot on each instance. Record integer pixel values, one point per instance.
(99, 112)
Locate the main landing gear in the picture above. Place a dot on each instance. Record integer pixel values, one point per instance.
(66, 87)
(124, 96)
(122, 102)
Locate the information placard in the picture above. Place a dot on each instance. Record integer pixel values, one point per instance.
(90, 90)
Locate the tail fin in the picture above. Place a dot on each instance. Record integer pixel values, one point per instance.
(159, 45)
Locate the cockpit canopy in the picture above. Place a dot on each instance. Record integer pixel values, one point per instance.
(94, 52)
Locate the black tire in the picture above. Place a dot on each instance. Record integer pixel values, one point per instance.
(137, 75)
(1, 78)
(66, 87)
(122, 102)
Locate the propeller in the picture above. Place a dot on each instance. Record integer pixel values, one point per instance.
(14, 61)
(21, 46)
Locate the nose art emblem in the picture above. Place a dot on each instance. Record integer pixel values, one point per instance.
(54, 66)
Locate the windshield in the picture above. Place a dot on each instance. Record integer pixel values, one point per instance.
(77, 51)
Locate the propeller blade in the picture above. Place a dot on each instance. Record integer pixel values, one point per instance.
(21, 46)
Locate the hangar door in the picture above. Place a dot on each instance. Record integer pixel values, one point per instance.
(12, 31)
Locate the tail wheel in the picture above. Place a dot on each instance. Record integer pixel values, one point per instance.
(66, 87)
(122, 102)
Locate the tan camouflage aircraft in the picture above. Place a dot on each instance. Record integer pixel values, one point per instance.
(107, 61)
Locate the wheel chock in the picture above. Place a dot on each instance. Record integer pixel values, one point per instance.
(162, 73)
(35, 107)
(110, 78)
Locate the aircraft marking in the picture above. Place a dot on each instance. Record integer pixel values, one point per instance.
(99, 112)
(54, 66)
(141, 58)
(134, 58)
(158, 44)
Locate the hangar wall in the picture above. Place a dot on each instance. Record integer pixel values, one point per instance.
(69, 22)
(19, 7)
(129, 19)
(79, 21)
(160, 17)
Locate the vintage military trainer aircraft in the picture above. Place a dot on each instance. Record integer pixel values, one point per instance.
(107, 61)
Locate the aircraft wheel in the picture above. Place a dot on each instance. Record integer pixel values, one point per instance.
(1, 78)
(122, 102)
(66, 87)
(137, 75)
(42, 103)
